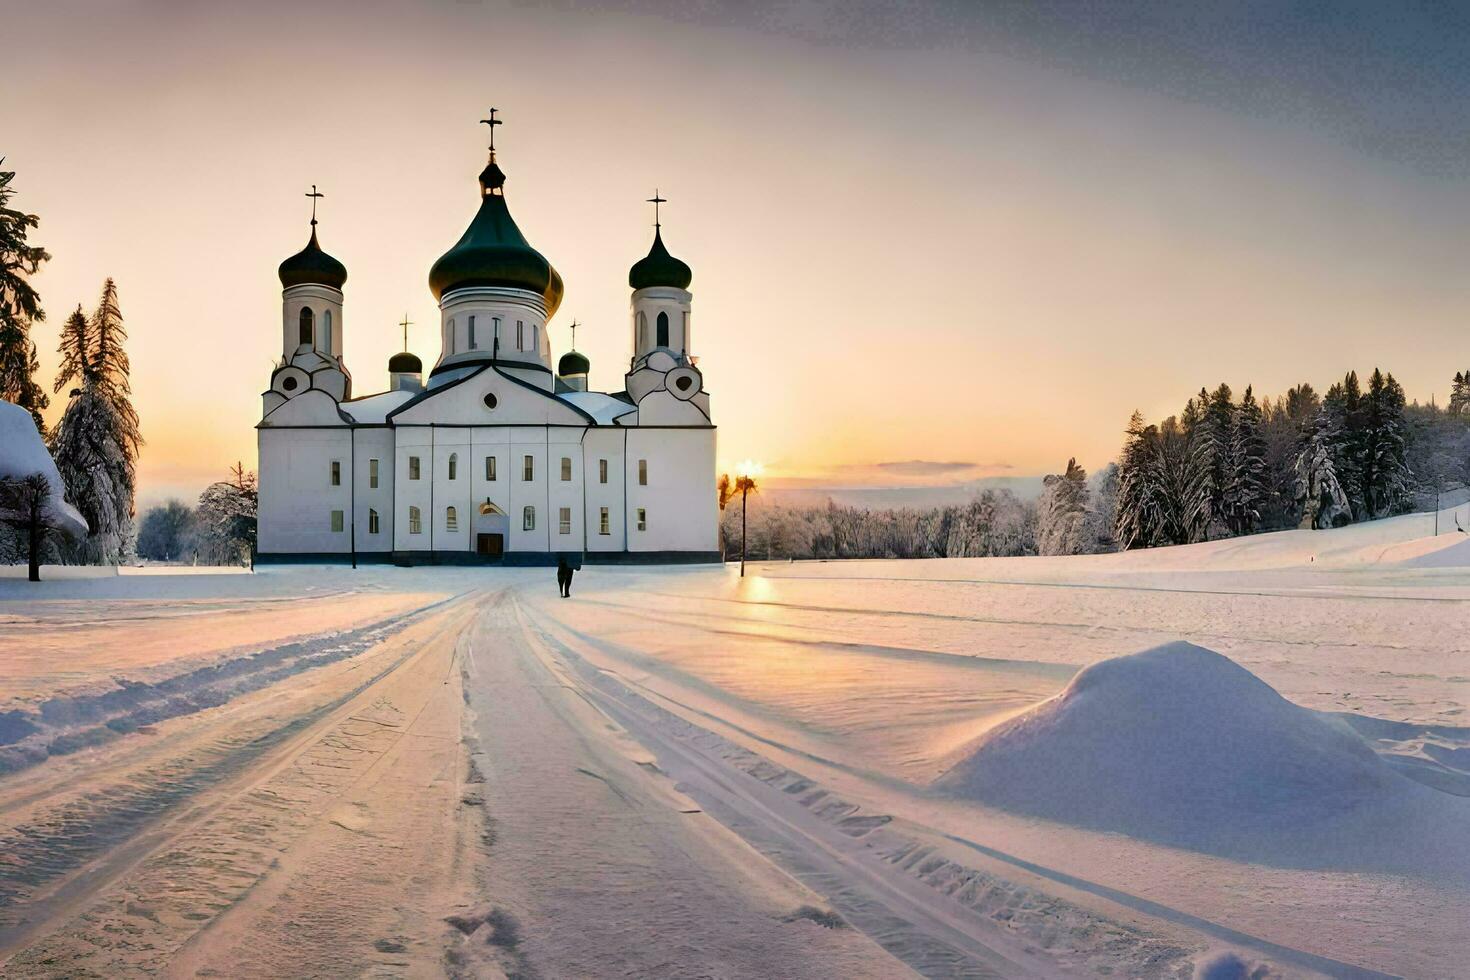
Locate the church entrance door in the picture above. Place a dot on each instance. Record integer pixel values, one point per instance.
(490, 545)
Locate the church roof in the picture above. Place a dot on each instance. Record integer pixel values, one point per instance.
(493, 252)
(312, 266)
(659, 268)
(573, 362)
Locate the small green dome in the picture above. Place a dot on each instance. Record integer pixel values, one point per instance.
(405, 363)
(572, 363)
(659, 268)
(493, 252)
(312, 266)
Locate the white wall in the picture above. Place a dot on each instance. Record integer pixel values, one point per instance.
(682, 510)
(296, 495)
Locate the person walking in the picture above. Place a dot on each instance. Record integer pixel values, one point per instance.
(563, 576)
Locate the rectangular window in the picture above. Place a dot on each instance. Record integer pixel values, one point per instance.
(413, 467)
(415, 522)
(528, 469)
(336, 473)
(496, 321)
(473, 345)
(602, 471)
(336, 520)
(566, 469)
(643, 472)
(602, 523)
(372, 522)
(451, 519)
(564, 521)
(528, 519)
(642, 519)
(489, 467)
(372, 474)
(520, 335)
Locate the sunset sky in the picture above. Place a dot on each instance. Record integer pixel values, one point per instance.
(929, 244)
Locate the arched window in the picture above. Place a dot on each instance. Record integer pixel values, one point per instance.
(535, 339)
(453, 467)
(415, 522)
(305, 321)
(642, 331)
(663, 330)
(528, 519)
(327, 331)
(372, 521)
(451, 519)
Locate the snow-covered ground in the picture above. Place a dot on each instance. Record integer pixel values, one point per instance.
(824, 769)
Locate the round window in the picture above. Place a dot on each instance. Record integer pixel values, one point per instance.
(490, 400)
(683, 382)
(289, 384)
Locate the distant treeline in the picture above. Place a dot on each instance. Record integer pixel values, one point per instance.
(1220, 468)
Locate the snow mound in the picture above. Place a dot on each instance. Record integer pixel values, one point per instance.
(1178, 744)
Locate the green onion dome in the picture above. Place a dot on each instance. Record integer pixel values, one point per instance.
(405, 363)
(659, 268)
(573, 363)
(493, 252)
(312, 266)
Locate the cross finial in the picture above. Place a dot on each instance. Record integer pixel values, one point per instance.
(655, 200)
(405, 325)
(574, 335)
(492, 122)
(314, 195)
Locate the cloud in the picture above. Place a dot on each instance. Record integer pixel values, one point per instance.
(929, 467)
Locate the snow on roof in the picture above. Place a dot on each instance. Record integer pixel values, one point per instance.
(22, 453)
(375, 408)
(602, 407)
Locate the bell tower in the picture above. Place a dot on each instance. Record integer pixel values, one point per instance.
(660, 303)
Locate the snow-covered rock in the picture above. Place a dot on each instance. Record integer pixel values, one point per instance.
(22, 453)
(1177, 743)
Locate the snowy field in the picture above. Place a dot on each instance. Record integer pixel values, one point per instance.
(884, 768)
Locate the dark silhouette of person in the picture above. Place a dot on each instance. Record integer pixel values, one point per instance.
(564, 576)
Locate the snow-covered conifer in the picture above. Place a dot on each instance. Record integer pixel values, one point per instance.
(1062, 512)
(20, 306)
(1246, 485)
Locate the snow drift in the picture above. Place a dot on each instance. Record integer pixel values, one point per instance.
(1177, 744)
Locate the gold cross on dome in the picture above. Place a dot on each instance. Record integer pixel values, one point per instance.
(405, 325)
(492, 122)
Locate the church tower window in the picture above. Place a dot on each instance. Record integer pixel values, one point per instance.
(663, 330)
(602, 471)
(473, 345)
(415, 521)
(520, 335)
(451, 519)
(327, 331)
(453, 467)
(642, 331)
(528, 519)
(305, 322)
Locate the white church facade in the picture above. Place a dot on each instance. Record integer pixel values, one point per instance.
(495, 456)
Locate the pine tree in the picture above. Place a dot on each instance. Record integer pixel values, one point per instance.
(76, 352)
(19, 306)
(1209, 463)
(1142, 519)
(1062, 512)
(96, 443)
(1246, 485)
(1460, 394)
(1320, 495)
(1385, 470)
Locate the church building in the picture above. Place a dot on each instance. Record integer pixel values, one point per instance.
(494, 456)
